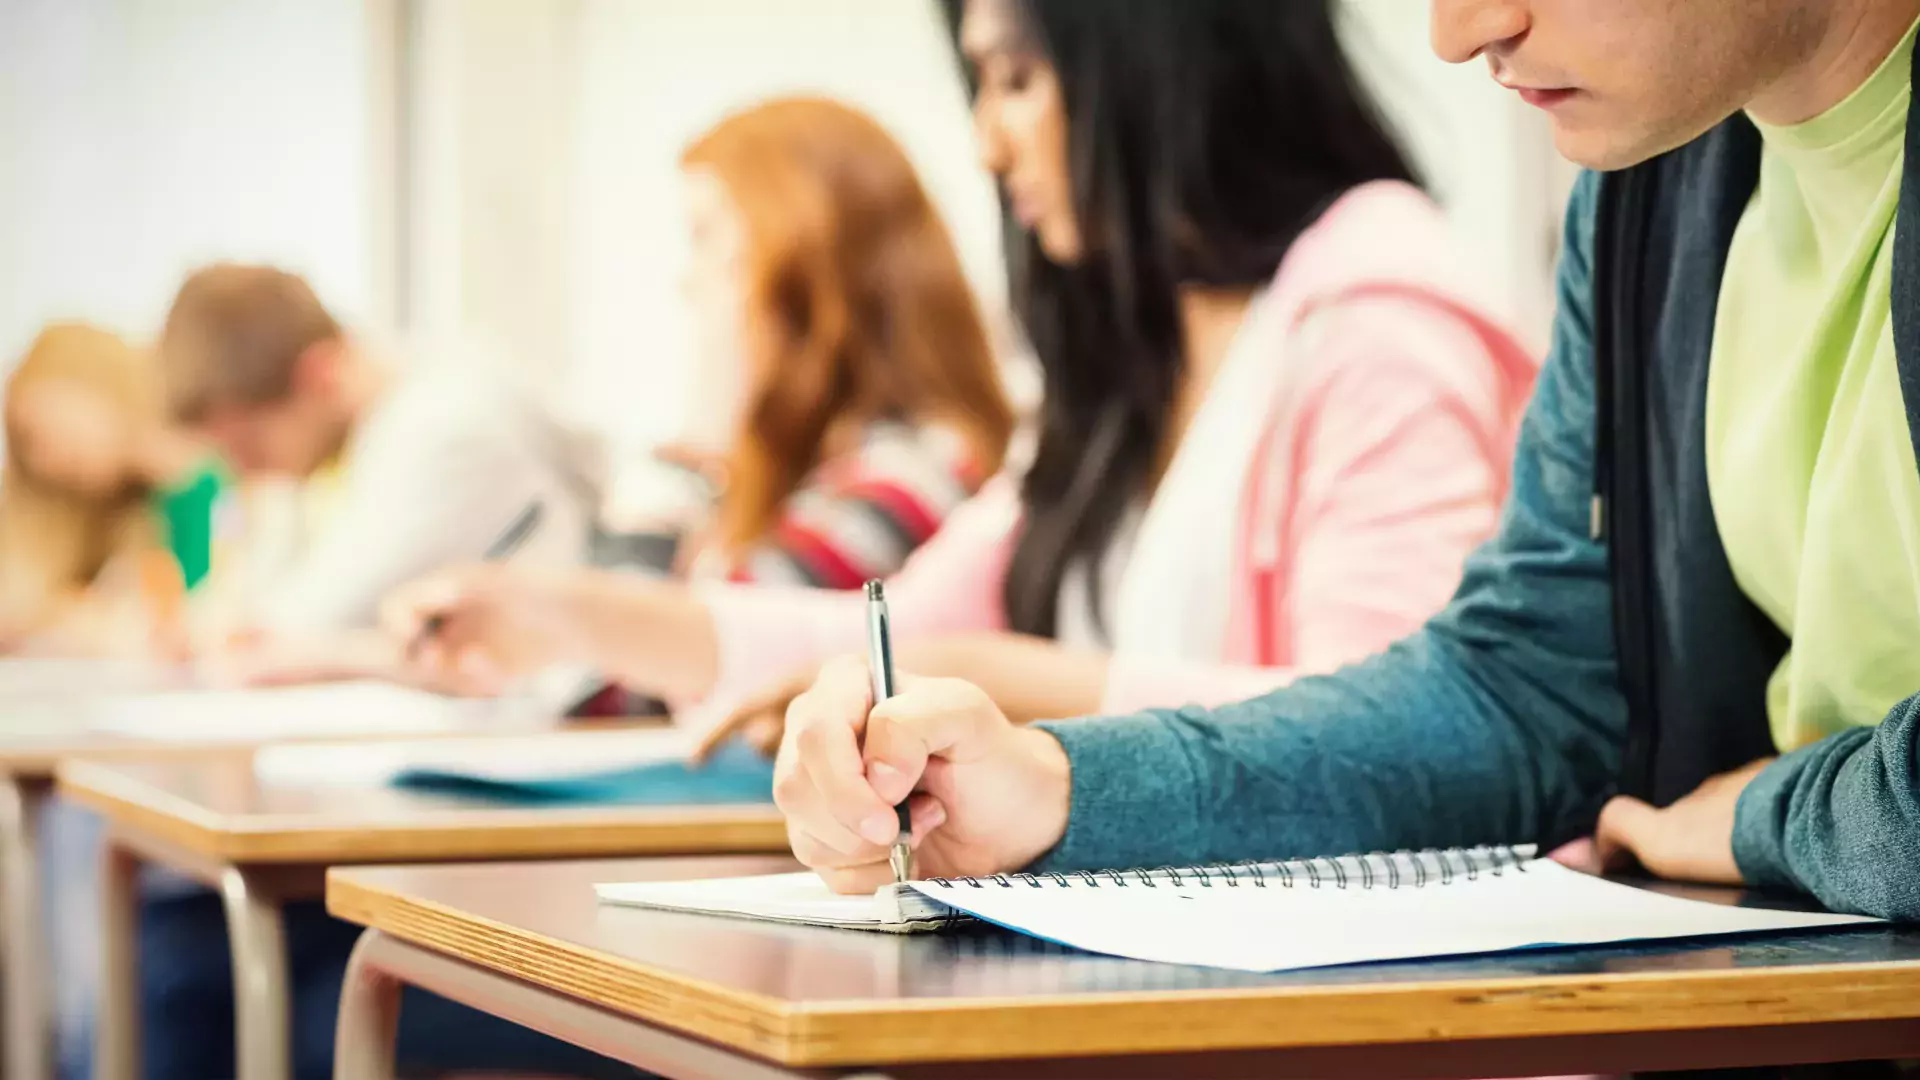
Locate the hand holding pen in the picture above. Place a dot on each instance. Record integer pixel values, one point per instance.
(479, 626)
(861, 746)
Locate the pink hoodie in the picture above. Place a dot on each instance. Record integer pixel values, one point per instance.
(1383, 462)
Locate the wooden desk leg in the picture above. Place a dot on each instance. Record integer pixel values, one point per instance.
(28, 1042)
(369, 1009)
(369, 1025)
(260, 998)
(116, 1048)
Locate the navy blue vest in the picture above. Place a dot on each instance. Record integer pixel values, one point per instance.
(1695, 654)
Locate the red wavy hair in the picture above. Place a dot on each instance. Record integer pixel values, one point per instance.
(856, 305)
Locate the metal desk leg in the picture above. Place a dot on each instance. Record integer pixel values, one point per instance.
(260, 998)
(369, 1025)
(116, 1053)
(28, 1042)
(369, 1009)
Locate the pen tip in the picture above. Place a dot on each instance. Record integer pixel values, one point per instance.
(875, 591)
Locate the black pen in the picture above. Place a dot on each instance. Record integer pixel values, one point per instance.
(880, 666)
(502, 547)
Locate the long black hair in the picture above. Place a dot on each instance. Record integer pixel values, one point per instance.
(1203, 137)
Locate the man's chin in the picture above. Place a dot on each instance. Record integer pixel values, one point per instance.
(1597, 148)
(1595, 144)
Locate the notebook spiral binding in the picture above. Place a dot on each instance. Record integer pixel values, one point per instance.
(1374, 870)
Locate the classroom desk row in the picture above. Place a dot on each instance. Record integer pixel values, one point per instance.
(690, 997)
(198, 807)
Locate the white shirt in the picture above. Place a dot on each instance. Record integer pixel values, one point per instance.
(437, 469)
(1167, 575)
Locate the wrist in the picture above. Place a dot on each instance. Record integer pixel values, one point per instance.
(577, 626)
(651, 635)
(1051, 786)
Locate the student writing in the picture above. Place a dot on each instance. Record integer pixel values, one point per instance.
(106, 509)
(1732, 374)
(1277, 412)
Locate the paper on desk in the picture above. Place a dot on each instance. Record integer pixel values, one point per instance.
(787, 898)
(57, 677)
(506, 759)
(330, 709)
(1281, 928)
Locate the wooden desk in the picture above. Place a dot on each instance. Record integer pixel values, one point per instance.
(695, 997)
(35, 737)
(262, 845)
(27, 761)
(38, 732)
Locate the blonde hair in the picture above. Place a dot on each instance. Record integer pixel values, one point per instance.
(53, 541)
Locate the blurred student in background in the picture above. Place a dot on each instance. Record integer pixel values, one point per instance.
(434, 457)
(842, 359)
(849, 396)
(1278, 410)
(106, 510)
(407, 466)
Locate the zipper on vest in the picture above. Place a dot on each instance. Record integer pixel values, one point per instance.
(1620, 511)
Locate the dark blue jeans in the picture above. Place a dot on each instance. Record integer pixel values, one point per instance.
(187, 991)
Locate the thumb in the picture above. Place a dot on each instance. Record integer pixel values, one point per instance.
(1582, 855)
(718, 734)
(1626, 825)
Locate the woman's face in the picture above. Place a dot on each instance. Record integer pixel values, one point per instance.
(713, 282)
(1020, 121)
(70, 438)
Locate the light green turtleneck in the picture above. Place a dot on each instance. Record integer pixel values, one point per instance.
(1809, 459)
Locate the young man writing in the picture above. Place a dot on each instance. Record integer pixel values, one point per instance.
(1695, 635)
(433, 462)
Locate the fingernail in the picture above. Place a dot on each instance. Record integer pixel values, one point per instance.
(881, 827)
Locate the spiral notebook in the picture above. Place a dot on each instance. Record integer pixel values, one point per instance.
(1264, 916)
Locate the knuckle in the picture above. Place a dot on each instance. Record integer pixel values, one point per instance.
(789, 788)
(813, 740)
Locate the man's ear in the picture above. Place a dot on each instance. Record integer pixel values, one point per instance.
(318, 371)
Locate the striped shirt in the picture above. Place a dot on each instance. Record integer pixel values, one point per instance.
(855, 518)
(858, 516)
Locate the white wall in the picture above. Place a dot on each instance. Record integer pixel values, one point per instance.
(546, 136)
(546, 143)
(139, 139)
(1487, 156)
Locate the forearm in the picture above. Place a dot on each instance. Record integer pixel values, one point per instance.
(1029, 678)
(1412, 749)
(650, 635)
(1840, 819)
(91, 623)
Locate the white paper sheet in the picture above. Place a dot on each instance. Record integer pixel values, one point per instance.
(779, 897)
(791, 898)
(332, 709)
(1281, 928)
(56, 677)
